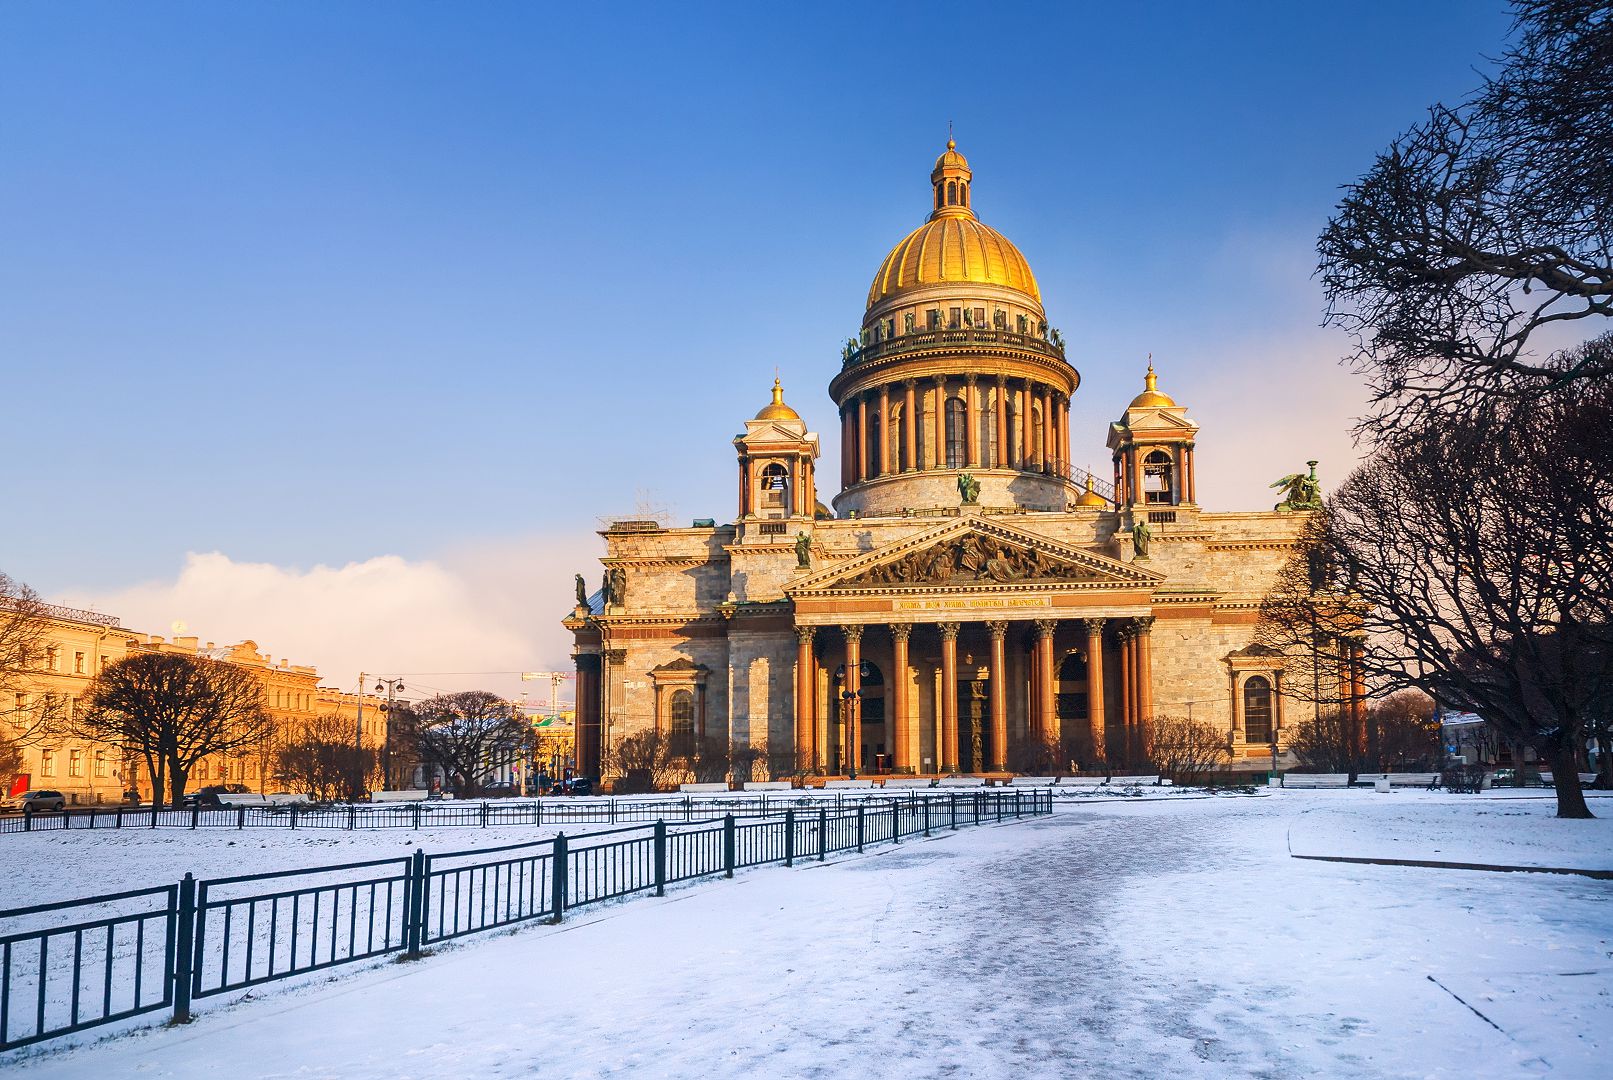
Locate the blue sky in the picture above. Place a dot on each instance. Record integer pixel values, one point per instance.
(312, 284)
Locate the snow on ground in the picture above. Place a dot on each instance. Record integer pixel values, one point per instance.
(1127, 939)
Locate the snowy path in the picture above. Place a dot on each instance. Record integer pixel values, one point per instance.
(1145, 940)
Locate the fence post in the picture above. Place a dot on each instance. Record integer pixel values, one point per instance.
(184, 949)
(952, 799)
(688, 808)
(660, 856)
(154, 810)
(896, 823)
(293, 815)
(195, 814)
(613, 809)
(417, 814)
(484, 815)
(119, 824)
(859, 827)
(789, 837)
(557, 880)
(728, 845)
(1016, 806)
(414, 910)
(240, 817)
(27, 821)
(926, 815)
(537, 807)
(823, 832)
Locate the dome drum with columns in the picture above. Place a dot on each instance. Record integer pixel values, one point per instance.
(956, 371)
(1038, 626)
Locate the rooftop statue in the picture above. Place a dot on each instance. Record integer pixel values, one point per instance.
(1140, 535)
(803, 551)
(582, 592)
(1303, 492)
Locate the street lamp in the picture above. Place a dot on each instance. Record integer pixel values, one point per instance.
(392, 687)
(848, 700)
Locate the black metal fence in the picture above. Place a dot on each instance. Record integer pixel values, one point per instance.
(69, 966)
(434, 814)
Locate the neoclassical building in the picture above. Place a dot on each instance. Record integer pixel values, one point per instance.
(970, 604)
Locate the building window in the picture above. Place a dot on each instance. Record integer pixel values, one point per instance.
(952, 193)
(980, 317)
(776, 487)
(963, 189)
(103, 767)
(1072, 690)
(680, 720)
(954, 318)
(1158, 481)
(50, 657)
(47, 763)
(75, 763)
(956, 433)
(932, 319)
(897, 440)
(1257, 709)
(78, 663)
(890, 328)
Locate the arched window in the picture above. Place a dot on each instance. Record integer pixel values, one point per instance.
(952, 193)
(776, 487)
(965, 189)
(680, 720)
(898, 439)
(957, 453)
(1257, 709)
(1072, 689)
(938, 196)
(1159, 480)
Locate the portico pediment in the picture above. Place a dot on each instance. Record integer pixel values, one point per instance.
(973, 552)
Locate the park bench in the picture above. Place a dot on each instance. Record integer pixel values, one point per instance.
(1033, 781)
(1134, 781)
(848, 783)
(1083, 781)
(233, 801)
(961, 781)
(767, 785)
(908, 782)
(1412, 779)
(1316, 780)
(1586, 779)
(407, 795)
(703, 789)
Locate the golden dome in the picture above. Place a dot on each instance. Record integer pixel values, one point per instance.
(777, 410)
(1151, 398)
(1090, 497)
(953, 247)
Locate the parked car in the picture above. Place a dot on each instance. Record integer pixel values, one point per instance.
(500, 791)
(577, 785)
(34, 802)
(208, 797)
(1511, 778)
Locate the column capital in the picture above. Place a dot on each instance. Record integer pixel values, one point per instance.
(616, 656)
(910, 382)
(805, 634)
(1145, 624)
(949, 630)
(998, 629)
(1093, 626)
(853, 632)
(1002, 380)
(969, 377)
(1045, 628)
(1126, 632)
(901, 631)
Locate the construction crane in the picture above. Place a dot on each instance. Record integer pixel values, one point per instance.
(555, 678)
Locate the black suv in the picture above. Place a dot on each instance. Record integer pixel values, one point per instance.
(208, 797)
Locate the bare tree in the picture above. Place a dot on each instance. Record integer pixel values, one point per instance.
(318, 756)
(1484, 225)
(1475, 563)
(1187, 750)
(173, 710)
(1403, 733)
(1328, 743)
(467, 734)
(24, 640)
(10, 761)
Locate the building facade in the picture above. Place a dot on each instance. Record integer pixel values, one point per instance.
(971, 604)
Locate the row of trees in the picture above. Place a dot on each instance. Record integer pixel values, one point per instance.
(1471, 555)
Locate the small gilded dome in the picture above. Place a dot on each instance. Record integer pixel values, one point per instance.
(777, 410)
(950, 159)
(1151, 398)
(1090, 497)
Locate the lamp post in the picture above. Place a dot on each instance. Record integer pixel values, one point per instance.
(392, 688)
(848, 699)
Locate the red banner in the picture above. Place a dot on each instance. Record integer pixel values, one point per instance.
(20, 784)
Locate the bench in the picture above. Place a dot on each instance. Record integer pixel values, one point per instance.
(767, 785)
(961, 781)
(1586, 779)
(1033, 781)
(233, 801)
(1316, 780)
(908, 782)
(1412, 779)
(1083, 781)
(407, 795)
(848, 783)
(1134, 781)
(703, 789)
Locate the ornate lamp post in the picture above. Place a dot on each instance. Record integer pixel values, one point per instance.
(848, 701)
(392, 688)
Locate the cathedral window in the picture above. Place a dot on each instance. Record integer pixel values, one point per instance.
(890, 328)
(1158, 481)
(680, 721)
(963, 190)
(954, 318)
(952, 193)
(980, 317)
(1257, 709)
(1072, 689)
(956, 433)
(932, 319)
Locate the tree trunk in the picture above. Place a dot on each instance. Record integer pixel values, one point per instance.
(1565, 778)
(176, 785)
(159, 777)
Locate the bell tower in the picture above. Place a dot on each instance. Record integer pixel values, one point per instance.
(1152, 443)
(777, 469)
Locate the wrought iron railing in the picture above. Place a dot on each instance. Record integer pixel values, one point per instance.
(69, 966)
(929, 339)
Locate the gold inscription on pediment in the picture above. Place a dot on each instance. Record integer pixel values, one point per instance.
(966, 603)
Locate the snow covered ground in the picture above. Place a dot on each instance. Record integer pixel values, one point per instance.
(1171, 938)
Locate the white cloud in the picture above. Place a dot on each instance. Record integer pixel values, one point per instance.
(485, 611)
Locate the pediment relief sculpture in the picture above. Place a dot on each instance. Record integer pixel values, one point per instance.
(968, 560)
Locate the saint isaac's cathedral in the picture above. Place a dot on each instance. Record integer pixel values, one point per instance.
(970, 604)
